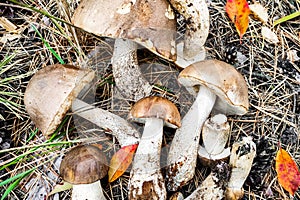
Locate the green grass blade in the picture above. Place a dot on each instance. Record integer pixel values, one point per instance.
(6, 60)
(32, 135)
(287, 18)
(21, 175)
(48, 46)
(13, 186)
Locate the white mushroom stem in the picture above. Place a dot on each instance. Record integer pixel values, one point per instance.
(88, 191)
(196, 15)
(146, 179)
(125, 133)
(215, 133)
(126, 71)
(241, 159)
(183, 151)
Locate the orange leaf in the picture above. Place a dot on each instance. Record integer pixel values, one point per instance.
(238, 11)
(287, 171)
(121, 161)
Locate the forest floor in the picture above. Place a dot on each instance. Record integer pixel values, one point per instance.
(29, 162)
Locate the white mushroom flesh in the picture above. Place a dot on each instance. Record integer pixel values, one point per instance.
(125, 133)
(183, 151)
(126, 71)
(183, 62)
(90, 191)
(207, 159)
(215, 133)
(146, 179)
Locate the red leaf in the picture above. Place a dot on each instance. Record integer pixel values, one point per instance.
(121, 161)
(238, 11)
(287, 171)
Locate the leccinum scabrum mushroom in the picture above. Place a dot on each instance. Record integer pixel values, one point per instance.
(146, 180)
(196, 17)
(84, 166)
(50, 92)
(145, 22)
(217, 86)
(53, 90)
(241, 159)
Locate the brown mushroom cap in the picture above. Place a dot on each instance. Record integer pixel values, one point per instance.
(155, 107)
(50, 92)
(84, 165)
(145, 22)
(223, 79)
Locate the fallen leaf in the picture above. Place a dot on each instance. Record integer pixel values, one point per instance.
(269, 35)
(60, 188)
(238, 11)
(259, 12)
(287, 171)
(121, 161)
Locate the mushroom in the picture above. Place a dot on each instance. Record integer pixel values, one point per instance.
(241, 159)
(84, 166)
(149, 23)
(217, 86)
(196, 16)
(146, 180)
(215, 133)
(213, 187)
(53, 90)
(50, 92)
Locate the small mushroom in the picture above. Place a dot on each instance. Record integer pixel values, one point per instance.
(215, 133)
(196, 16)
(146, 180)
(213, 187)
(144, 22)
(50, 92)
(241, 159)
(84, 166)
(218, 87)
(53, 90)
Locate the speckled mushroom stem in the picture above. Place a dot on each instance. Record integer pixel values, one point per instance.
(197, 25)
(241, 159)
(88, 192)
(213, 187)
(125, 133)
(126, 71)
(183, 151)
(146, 179)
